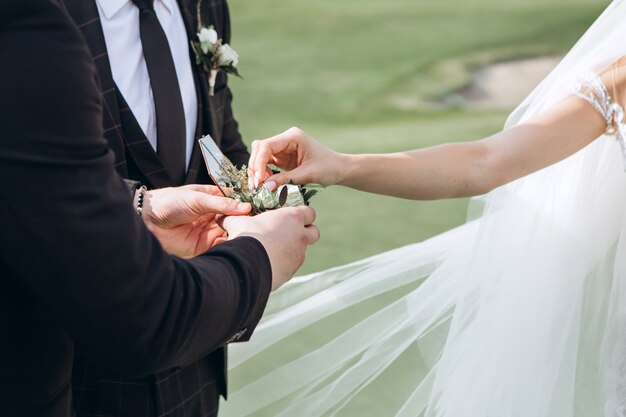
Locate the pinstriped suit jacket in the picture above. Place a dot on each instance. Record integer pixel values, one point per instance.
(192, 390)
(78, 267)
(135, 158)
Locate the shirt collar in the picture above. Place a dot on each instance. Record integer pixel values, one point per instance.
(111, 7)
(169, 5)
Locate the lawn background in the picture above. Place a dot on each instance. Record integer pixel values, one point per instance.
(380, 76)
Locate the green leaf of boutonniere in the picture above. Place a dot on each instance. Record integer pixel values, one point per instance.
(233, 183)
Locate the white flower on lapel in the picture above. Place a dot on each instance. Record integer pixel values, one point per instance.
(208, 39)
(213, 54)
(208, 35)
(227, 56)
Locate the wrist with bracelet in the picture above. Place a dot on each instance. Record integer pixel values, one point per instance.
(141, 192)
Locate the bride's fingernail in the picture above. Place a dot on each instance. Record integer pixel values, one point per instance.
(271, 185)
(256, 182)
(250, 184)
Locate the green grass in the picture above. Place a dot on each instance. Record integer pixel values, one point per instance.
(373, 76)
(340, 69)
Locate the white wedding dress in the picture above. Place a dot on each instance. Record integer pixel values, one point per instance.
(521, 312)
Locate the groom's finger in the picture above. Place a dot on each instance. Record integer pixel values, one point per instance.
(306, 214)
(204, 188)
(206, 204)
(312, 234)
(232, 224)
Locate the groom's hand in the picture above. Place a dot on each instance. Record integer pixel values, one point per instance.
(183, 219)
(303, 158)
(285, 233)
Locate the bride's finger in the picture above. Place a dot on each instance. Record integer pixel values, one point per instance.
(263, 150)
(296, 176)
(255, 164)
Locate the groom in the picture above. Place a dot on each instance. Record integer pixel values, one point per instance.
(152, 128)
(77, 264)
(153, 131)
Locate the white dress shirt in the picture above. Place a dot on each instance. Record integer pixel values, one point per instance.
(120, 24)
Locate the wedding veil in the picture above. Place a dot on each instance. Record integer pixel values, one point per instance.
(519, 312)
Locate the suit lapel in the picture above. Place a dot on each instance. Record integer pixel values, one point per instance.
(196, 162)
(152, 170)
(122, 130)
(85, 15)
(126, 140)
(203, 125)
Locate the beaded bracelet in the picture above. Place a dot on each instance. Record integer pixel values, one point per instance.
(140, 194)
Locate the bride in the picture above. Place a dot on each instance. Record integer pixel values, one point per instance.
(519, 312)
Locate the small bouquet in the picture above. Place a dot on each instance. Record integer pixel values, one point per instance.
(213, 54)
(233, 183)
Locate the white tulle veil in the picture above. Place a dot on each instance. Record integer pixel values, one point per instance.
(519, 312)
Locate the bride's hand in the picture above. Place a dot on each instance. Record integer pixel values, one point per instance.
(303, 158)
(183, 219)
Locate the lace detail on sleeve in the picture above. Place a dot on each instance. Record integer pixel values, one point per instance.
(595, 93)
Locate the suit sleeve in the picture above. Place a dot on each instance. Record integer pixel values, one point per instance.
(132, 186)
(70, 237)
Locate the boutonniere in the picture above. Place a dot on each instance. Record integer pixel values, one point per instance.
(212, 53)
(234, 183)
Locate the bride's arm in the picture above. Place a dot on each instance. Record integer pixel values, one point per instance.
(473, 168)
(450, 170)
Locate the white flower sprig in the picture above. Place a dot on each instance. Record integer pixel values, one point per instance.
(234, 183)
(212, 53)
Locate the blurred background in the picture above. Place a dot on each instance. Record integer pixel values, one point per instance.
(391, 75)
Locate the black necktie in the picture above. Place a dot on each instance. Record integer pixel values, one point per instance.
(170, 113)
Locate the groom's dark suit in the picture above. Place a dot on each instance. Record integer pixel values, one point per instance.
(192, 390)
(134, 156)
(76, 263)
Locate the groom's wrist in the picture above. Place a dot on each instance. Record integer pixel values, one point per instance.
(142, 204)
(138, 199)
